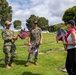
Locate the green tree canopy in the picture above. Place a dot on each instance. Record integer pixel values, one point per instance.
(42, 22)
(17, 24)
(59, 26)
(70, 14)
(5, 12)
(30, 20)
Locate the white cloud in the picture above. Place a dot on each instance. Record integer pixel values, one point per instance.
(53, 10)
(22, 13)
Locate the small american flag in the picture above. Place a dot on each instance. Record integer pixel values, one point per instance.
(23, 34)
(32, 50)
(61, 33)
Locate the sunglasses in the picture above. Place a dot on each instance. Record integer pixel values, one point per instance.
(35, 23)
(8, 25)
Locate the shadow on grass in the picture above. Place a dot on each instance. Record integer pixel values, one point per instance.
(20, 62)
(21, 45)
(2, 63)
(48, 51)
(29, 73)
(1, 60)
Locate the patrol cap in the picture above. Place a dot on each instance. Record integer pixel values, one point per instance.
(72, 22)
(7, 22)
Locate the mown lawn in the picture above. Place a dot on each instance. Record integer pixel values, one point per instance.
(49, 62)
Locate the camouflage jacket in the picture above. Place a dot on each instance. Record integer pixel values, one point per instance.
(6, 34)
(35, 35)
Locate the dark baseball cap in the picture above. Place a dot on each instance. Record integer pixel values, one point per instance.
(72, 22)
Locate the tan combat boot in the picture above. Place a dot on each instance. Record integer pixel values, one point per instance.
(11, 65)
(7, 66)
(35, 63)
(28, 63)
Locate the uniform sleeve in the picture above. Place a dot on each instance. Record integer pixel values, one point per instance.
(30, 32)
(40, 30)
(13, 33)
(4, 36)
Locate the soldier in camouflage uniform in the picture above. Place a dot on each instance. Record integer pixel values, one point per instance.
(9, 46)
(35, 39)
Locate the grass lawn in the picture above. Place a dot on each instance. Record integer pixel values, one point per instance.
(49, 62)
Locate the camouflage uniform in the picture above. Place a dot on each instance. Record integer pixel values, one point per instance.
(9, 46)
(35, 41)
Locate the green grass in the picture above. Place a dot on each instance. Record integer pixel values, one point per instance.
(49, 63)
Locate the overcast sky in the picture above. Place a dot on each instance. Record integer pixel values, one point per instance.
(52, 10)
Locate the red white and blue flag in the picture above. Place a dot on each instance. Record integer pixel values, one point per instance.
(32, 50)
(61, 33)
(23, 34)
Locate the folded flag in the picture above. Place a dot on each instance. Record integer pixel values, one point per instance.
(23, 34)
(61, 33)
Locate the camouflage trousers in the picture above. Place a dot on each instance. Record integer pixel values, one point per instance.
(35, 55)
(10, 53)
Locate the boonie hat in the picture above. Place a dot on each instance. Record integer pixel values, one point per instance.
(7, 22)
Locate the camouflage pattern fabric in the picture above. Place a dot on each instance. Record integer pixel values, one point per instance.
(35, 36)
(8, 46)
(35, 42)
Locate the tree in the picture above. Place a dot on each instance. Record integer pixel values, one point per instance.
(17, 24)
(5, 12)
(70, 14)
(59, 26)
(30, 20)
(42, 22)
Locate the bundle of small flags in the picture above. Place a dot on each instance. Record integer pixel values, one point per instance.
(60, 34)
(23, 34)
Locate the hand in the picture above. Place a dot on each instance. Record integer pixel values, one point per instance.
(65, 47)
(14, 38)
(29, 44)
(40, 42)
(64, 42)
